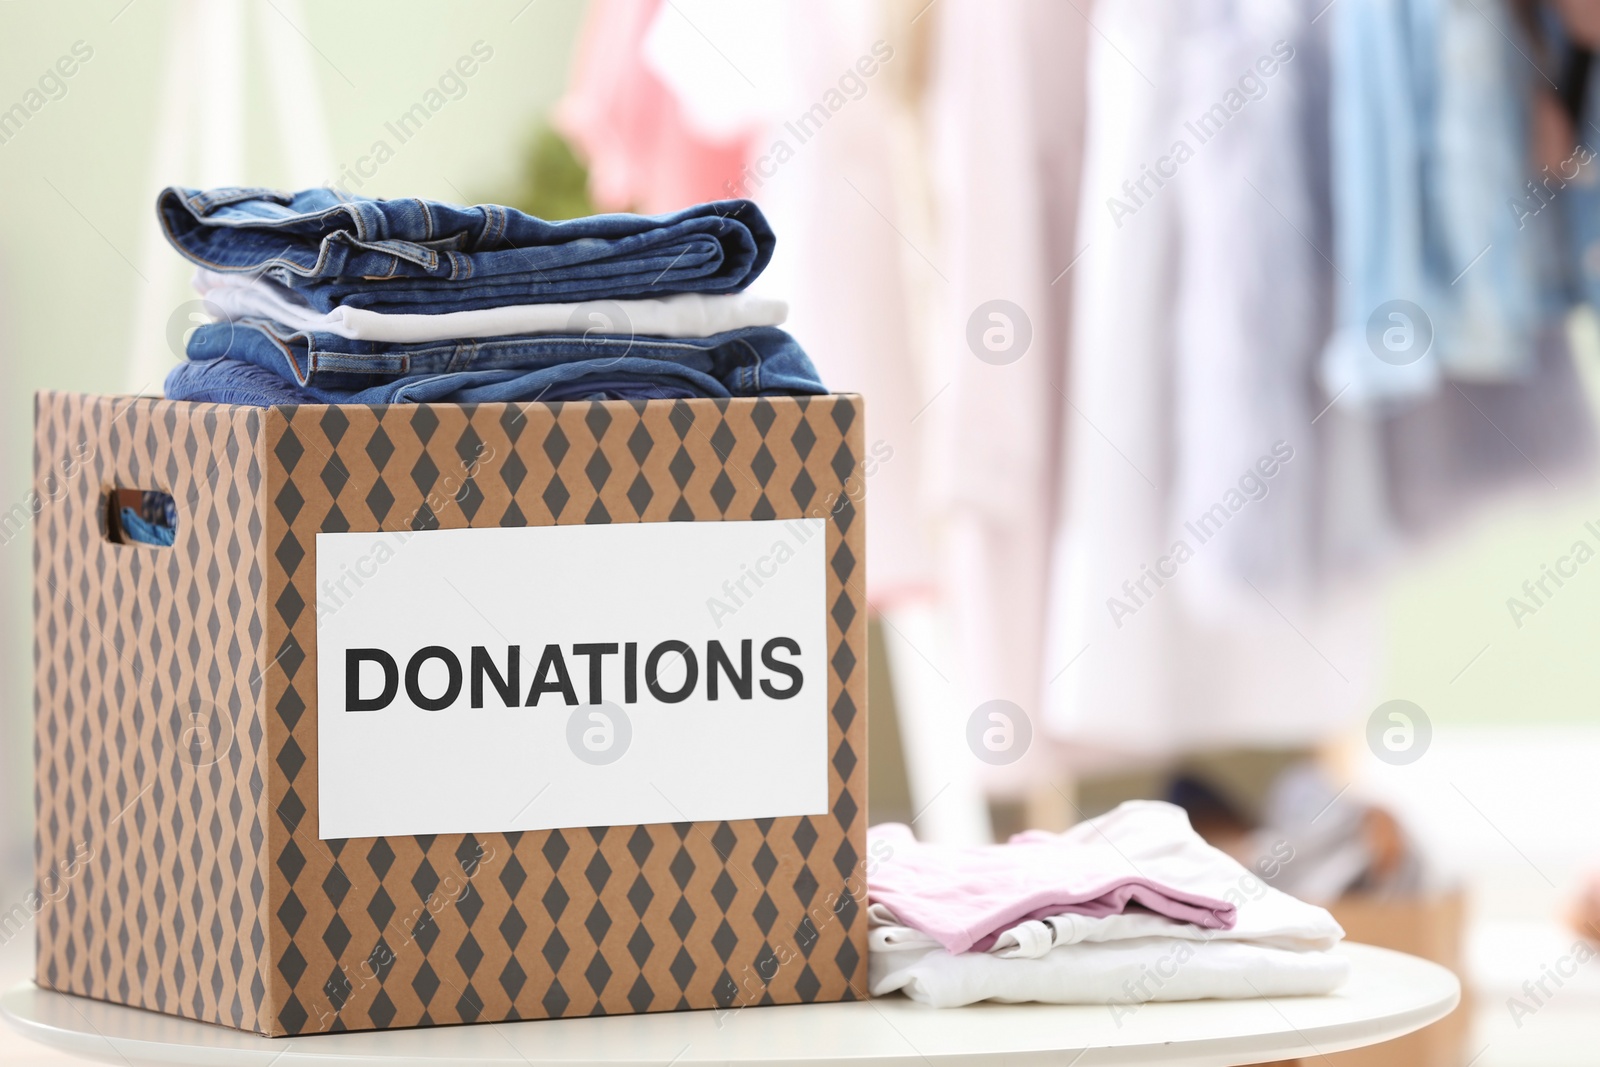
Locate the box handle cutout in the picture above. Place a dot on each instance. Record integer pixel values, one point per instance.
(141, 517)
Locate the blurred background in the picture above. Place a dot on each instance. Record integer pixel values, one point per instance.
(1230, 370)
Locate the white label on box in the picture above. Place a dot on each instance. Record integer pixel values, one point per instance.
(474, 681)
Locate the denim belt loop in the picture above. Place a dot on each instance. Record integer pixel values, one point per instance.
(369, 220)
(494, 228)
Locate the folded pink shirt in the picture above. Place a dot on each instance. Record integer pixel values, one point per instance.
(1143, 853)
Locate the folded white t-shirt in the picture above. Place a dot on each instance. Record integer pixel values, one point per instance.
(236, 296)
(1277, 946)
(1150, 839)
(1120, 974)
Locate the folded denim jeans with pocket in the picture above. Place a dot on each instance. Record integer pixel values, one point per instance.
(231, 381)
(749, 362)
(627, 377)
(422, 256)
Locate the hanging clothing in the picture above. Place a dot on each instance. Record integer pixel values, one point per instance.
(813, 95)
(1575, 178)
(848, 196)
(1446, 193)
(1006, 108)
(1225, 520)
(1473, 444)
(628, 126)
(1430, 159)
(1185, 608)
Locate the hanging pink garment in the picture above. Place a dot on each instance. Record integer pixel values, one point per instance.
(833, 189)
(841, 206)
(629, 127)
(1006, 118)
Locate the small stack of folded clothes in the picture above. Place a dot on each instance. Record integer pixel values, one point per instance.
(1124, 909)
(325, 298)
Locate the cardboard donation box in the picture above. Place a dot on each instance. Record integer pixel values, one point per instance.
(1432, 926)
(438, 714)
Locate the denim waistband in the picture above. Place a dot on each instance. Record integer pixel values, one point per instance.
(747, 362)
(231, 381)
(402, 255)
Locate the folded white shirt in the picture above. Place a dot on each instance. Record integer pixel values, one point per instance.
(1120, 974)
(1277, 946)
(236, 296)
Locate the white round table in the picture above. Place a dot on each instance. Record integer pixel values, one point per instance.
(1388, 994)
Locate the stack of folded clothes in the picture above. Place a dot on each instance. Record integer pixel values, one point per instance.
(324, 298)
(1121, 910)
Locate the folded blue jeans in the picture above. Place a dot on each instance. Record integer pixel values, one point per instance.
(237, 381)
(747, 362)
(419, 256)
